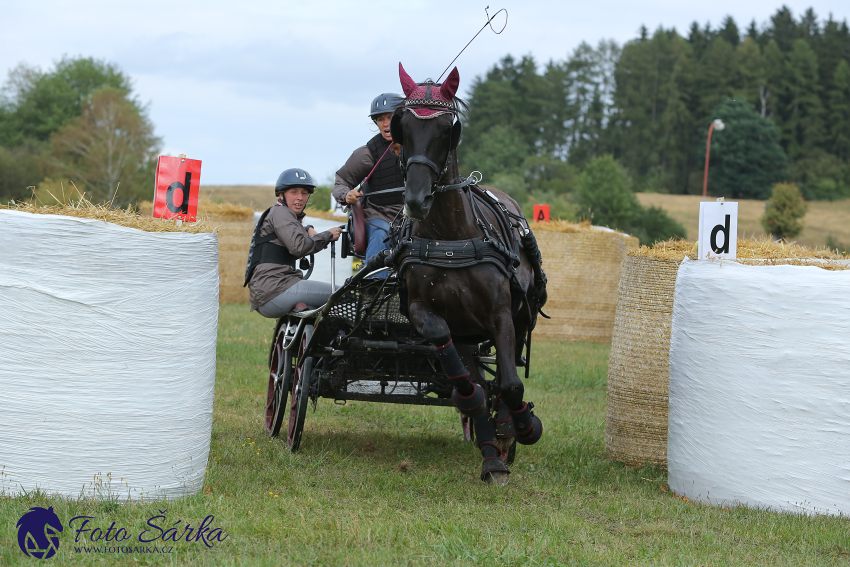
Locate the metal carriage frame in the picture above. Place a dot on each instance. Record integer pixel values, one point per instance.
(360, 347)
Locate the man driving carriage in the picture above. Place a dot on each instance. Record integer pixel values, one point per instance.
(279, 240)
(378, 159)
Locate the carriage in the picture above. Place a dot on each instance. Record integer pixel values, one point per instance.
(361, 346)
(449, 323)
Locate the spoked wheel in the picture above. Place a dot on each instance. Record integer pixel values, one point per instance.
(299, 392)
(280, 377)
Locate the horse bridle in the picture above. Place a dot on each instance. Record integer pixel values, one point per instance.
(443, 107)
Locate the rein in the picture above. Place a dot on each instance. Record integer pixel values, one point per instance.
(377, 163)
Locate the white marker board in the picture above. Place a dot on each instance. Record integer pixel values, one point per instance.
(718, 230)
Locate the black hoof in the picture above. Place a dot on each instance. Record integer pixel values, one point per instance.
(494, 471)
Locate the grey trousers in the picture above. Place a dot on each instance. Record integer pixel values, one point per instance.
(314, 294)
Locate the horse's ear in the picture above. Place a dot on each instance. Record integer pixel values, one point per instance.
(449, 87)
(408, 85)
(457, 131)
(396, 130)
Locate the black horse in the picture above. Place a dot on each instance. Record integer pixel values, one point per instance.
(471, 268)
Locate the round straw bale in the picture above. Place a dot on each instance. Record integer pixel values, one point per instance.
(638, 369)
(583, 267)
(636, 424)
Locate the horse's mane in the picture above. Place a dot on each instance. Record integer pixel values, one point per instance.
(461, 107)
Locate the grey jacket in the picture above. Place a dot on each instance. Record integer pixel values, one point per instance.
(352, 174)
(270, 280)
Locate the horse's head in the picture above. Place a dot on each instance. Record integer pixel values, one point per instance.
(428, 128)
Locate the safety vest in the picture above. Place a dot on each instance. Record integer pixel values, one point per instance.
(387, 175)
(263, 251)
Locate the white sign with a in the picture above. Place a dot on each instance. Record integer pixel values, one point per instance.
(718, 230)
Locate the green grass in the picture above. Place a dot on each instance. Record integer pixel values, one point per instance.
(378, 485)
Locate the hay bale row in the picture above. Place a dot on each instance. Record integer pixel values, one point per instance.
(234, 242)
(583, 265)
(638, 369)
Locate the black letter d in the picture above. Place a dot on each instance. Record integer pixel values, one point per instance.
(184, 206)
(713, 242)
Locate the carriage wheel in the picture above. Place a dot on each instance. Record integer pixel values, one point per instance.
(299, 392)
(280, 376)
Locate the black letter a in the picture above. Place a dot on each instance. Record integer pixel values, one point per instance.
(169, 195)
(725, 230)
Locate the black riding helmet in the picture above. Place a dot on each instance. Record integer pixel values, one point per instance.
(294, 177)
(384, 103)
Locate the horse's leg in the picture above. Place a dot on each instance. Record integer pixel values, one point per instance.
(468, 396)
(528, 427)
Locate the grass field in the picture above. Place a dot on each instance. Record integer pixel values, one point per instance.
(383, 485)
(825, 218)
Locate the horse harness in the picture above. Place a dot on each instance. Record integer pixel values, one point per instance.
(498, 246)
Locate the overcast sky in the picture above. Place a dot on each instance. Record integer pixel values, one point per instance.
(253, 88)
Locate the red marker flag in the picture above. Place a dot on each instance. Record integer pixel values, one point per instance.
(178, 182)
(541, 213)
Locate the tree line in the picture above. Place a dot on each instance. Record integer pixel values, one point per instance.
(783, 91)
(78, 122)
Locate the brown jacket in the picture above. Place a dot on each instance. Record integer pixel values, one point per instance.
(352, 174)
(270, 280)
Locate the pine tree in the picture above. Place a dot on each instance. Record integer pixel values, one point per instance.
(832, 47)
(839, 111)
(587, 83)
(729, 31)
(717, 75)
(772, 96)
(698, 40)
(512, 95)
(803, 131)
(746, 157)
(783, 29)
(752, 79)
(809, 27)
(654, 79)
(753, 32)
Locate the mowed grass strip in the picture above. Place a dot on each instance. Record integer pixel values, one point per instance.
(378, 484)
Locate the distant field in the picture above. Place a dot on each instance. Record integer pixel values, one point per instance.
(824, 219)
(259, 197)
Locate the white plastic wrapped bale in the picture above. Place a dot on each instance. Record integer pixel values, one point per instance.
(759, 387)
(107, 357)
